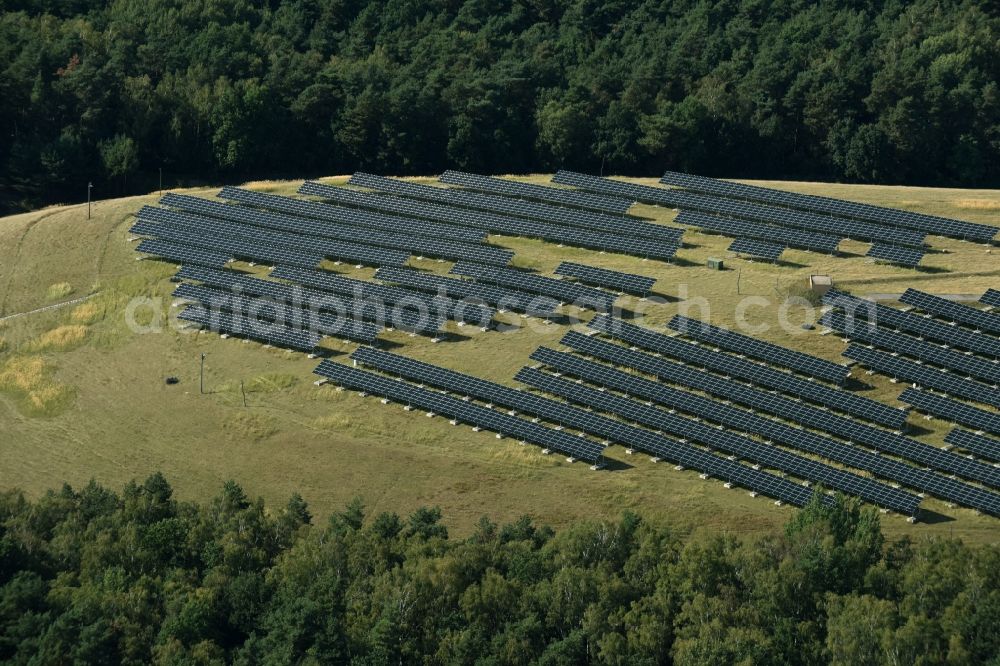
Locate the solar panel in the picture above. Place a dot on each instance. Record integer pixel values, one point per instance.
(934, 378)
(664, 248)
(756, 248)
(991, 298)
(344, 215)
(628, 283)
(269, 239)
(962, 314)
(270, 333)
(980, 445)
(239, 248)
(471, 313)
(805, 240)
(182, 254)
(460, 410)
(744, 447)
(888, 216)
(863, 331)
(502, 299)
(685, 200)
(519, 190)
(584, 297)
(265, 312)
(414, 318)
(903, 256)
(883, 315)
(570, 217)
(810, 417)
(310, 228)
(953, 410)
(777, 355)
(840, 400)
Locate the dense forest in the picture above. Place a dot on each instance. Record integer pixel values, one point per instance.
(112, 92)
(98, 577)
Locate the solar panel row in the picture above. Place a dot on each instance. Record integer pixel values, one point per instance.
(267, 238)
(312, 228)
(840, 400)
(856, 431)
(183, 254)
(933, 378)
(805, 240)
(777, 355)
(471, 313)
(568, 292)
(868, 333)
(345, 215)
(518, 190)
(502, 299)
(628, 283)
(800, 438)
(270, 333)
(904, 256)
(463, 411)
(525, 209)
(664, 248)
(589, 422)
(236, 248)
(757, 248)
(686, 200)
(257, 312)
(980, 445)
(942, 307)
(878, 214)
(953, 410)
(306, 301)
(912, 323)
(743, 421)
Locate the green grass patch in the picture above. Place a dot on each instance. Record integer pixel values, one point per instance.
(275, 381)
(248, 427)
(58, 291)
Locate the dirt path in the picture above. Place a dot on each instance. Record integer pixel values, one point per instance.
(50, 307)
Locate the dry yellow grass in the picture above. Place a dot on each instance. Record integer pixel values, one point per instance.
(59, 339)
(86, 313)
(29, 379)
(978, 204)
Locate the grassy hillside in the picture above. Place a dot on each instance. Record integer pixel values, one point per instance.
(82, 396)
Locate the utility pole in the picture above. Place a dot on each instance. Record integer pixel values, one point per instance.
(243, 391)
(90, 186)
(201, 383)
(161, 181)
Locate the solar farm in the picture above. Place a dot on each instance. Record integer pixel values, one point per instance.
(547, 315)
(768, 420)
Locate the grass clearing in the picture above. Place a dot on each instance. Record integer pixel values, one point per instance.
(111, 416)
